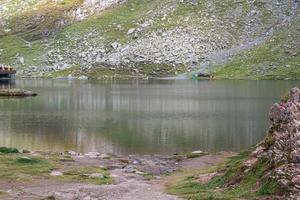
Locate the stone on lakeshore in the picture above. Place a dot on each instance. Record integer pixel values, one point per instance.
(129, 169)
(140, 173)
(195, 154)
(83, 78)
(25, 151)
(96, 175)
(73, 153)
(56, 173)
(92, 154)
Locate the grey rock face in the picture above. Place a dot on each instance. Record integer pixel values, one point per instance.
(175, 46)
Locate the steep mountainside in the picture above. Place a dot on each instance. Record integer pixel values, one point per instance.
(109, 38)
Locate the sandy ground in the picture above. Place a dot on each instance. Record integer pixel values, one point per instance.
(127, 184)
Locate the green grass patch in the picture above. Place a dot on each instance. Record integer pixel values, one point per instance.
(149, 177)
(74, 71)
(104, 72)
(269, 187)
(16, 166)
(83, 174)
(22, 168)
(125, 15)
(41, 19)
(234, 183)
(13, 45)
(8, 150)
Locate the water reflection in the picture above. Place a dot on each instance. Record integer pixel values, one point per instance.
(7, 83)
(139, 116)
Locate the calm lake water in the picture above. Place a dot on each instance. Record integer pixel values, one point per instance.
(155, 116)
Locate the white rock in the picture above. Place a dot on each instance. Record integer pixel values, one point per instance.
(73, 153)
(115, 45)
(56, 173)
(93, 154)
(96, 175)
(83, 78)
(130, 31)
(197, 152)
(22, 61)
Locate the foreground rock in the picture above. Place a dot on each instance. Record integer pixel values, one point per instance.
(16, 93)
(281, 147)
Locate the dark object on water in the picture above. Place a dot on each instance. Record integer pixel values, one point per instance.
(7, 72)
(16, 93)
(203, 75)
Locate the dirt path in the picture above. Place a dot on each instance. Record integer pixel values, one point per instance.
(128, 181)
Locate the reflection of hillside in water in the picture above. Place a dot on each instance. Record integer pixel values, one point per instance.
(138, 117)
(7, 83)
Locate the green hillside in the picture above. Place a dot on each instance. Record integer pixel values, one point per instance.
(111, 38)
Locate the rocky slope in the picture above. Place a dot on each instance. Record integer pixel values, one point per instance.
(104, 38)
(281, 148)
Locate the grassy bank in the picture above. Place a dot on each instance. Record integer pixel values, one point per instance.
(229, 181)
(25, 167)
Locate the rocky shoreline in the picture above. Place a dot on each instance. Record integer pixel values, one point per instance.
(16, 93)
(92, 175)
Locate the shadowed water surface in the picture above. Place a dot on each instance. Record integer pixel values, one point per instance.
(155, 116)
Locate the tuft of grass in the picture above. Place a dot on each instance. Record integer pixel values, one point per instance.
(82, 174)
(73, 70)
(13, 166)
(149, 177)
(269, 187)
(234, 183)
(26, 161)
(8, 150)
